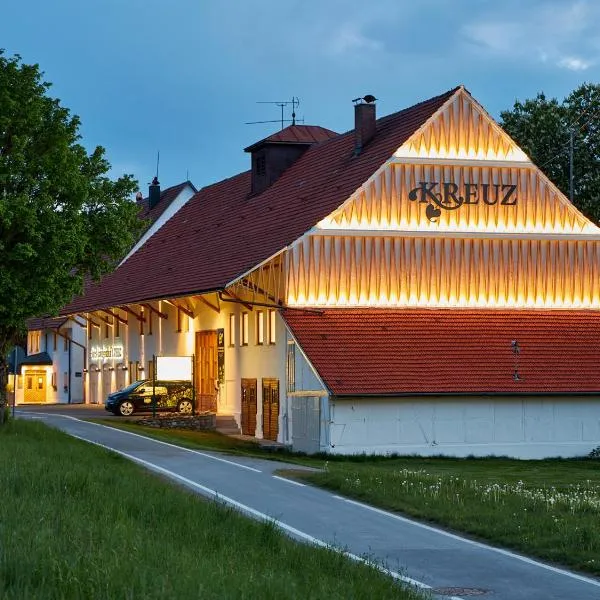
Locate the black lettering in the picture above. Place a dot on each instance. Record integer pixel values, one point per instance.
(509, 190)
(486, 194)
(450, 190)
(427, 193)
(471, 192)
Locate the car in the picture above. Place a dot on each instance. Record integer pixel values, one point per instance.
(137, 396)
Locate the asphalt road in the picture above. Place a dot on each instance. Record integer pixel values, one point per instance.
(429, 557)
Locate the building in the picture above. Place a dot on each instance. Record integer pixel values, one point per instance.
(415, 285)
(57, 351)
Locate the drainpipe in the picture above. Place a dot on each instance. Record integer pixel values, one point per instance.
(70, 382)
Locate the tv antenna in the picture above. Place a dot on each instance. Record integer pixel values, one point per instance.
(295, 101)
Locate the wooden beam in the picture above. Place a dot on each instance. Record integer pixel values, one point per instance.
(132, 312)
(184, 309)
(217, 309)
(232, 295)
(115, 316)
(151, 308)
(245, 281)
(89, 319)
(73, 318)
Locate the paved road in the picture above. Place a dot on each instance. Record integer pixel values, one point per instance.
(423, 554)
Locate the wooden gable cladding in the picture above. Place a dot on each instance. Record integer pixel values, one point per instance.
(461, 129)
(464, 197)
(433, 272)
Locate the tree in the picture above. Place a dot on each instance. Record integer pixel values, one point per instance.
(543, 127)
(62, 220)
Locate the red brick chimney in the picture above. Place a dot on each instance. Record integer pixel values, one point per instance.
(364, 122)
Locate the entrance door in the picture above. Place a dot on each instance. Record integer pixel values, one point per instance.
(35, 387)
(106, 384)
(249, 407)
(206, 370)
(270, 395)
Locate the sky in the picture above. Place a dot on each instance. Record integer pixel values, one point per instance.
(182, 77)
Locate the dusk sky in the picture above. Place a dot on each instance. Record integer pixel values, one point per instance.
(183, 76)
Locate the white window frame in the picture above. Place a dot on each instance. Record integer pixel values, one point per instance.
(272, 327)
(260, 328)
(244, 324)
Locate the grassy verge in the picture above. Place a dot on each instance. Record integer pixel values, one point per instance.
(549, 509)
(208, 440)
(80, 522)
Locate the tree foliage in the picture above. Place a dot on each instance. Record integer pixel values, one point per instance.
(542, 128)
(61, 218)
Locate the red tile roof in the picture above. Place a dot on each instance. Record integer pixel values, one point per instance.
(221, 232)
(166, 197)
(38, 323)
(296, 134)
(410, 351)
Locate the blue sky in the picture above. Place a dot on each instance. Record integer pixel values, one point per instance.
(183, 76)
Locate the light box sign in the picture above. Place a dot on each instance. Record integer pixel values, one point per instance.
(174, 368)
(107, 350)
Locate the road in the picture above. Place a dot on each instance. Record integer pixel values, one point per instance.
(454, 567)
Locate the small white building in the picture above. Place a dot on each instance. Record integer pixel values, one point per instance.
(53, 370)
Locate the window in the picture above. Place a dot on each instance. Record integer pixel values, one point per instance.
(89, 329)
(260, 327)
(149, 318)
(117, 328)
(66, 338)
(54, 342)
(232, 330)
(291, 367)
(179, 317)
(272, 326)
(65, 381)
(150, 369)
(244, 329)
(53, 380)
(261, 165)
(106, 330)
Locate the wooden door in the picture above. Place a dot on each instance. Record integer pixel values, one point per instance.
(270, 401)
(206, 371)
(35, 387)
(249, 407)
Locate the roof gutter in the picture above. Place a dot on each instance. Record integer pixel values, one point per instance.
(458, 393)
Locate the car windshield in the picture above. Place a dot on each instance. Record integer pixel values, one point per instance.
(131, 386)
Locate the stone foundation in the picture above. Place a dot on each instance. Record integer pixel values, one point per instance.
(203, 422)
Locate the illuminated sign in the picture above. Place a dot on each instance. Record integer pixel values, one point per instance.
(174, 368)
(448, 195)
(107, 350)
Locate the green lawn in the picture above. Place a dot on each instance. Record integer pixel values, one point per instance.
(81, 522)
(549, 509)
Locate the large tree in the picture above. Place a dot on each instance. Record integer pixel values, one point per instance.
(543, 128)
(62, 220)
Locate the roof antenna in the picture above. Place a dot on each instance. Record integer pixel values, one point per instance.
(157, 161)
(295, 101)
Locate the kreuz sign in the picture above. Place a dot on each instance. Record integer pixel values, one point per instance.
(449, 196)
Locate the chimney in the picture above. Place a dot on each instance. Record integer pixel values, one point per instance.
(153, 193)
(364, 122)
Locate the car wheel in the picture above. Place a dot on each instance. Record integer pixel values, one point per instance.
(126, 408)
(185, 406)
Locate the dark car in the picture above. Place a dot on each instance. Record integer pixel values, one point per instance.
(137, 396)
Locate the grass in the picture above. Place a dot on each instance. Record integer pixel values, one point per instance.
(81, 522)
(209, 440)
(549, 509)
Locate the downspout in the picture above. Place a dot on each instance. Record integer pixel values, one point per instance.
(70, 382)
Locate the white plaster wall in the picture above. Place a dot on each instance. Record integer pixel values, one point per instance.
(520, 427)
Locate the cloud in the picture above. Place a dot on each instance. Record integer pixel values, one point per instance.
(350, 39)
(574, 64)
(562, 34)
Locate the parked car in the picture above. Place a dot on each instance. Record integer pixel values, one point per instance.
(137, 396)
